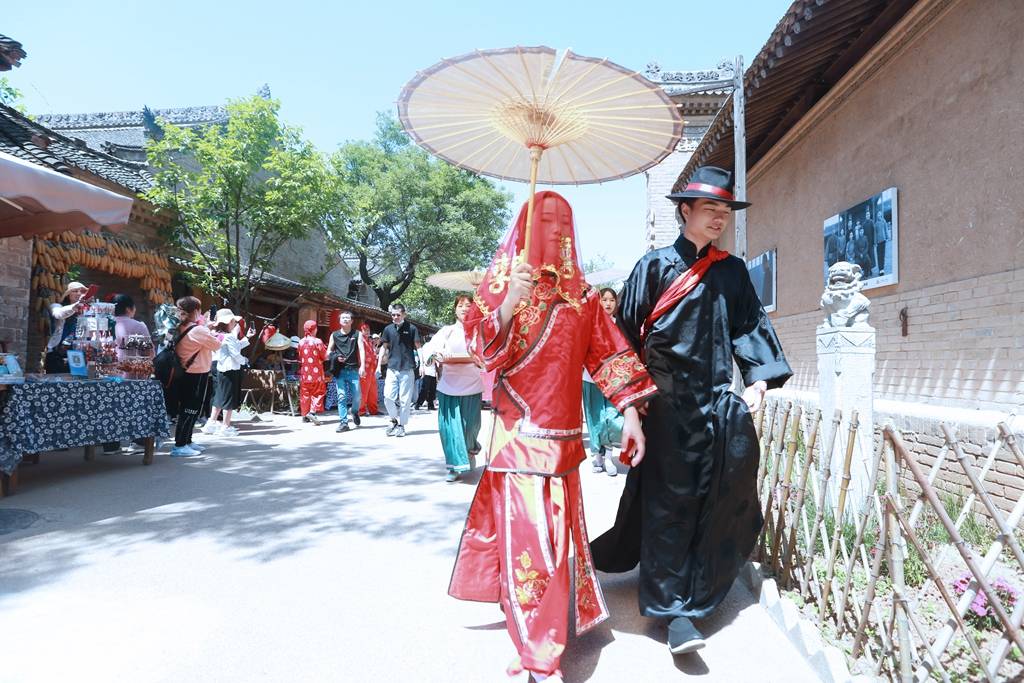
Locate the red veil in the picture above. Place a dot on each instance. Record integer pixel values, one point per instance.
(553, 253)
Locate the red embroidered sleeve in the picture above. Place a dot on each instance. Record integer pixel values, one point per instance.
(487, 341)
(612, 363)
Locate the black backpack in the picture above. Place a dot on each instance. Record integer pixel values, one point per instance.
(167, 366)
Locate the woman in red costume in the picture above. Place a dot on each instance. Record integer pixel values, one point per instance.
(537, 327)
(312, 384)
(368, 383)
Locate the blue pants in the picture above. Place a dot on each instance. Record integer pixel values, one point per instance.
(348, 391)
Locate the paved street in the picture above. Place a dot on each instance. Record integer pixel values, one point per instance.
(291, 553)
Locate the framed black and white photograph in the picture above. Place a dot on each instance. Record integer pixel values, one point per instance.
(762, 274)
(866, 234)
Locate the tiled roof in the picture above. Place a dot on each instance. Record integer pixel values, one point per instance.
(27, 139)
(11, 53)
(181, 116)
(813, 46)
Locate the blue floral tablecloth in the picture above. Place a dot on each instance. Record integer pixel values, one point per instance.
(45, 416)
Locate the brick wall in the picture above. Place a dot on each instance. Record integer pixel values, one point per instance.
(299, 259)
(920, 428)
(662, 228)
(15, 282)
(964, 347)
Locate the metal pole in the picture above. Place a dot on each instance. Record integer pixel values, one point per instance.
(739, 190)
(739, 134)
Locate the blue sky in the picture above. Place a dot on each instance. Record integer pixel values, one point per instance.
(334, 65)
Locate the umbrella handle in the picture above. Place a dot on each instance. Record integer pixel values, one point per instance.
(535, 153)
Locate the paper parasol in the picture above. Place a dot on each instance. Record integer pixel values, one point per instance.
(458, 281)
(534, 114)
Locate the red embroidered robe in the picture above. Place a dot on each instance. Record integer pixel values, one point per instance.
(528, 505)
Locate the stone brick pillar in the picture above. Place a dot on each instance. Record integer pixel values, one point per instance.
(846, 371)
(846, 374)
(15, 281)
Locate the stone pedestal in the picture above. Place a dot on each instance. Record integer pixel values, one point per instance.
(846, 369)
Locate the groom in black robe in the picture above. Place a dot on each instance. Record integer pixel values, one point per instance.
(689, 513)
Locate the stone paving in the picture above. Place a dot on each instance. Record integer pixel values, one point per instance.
(292, 553)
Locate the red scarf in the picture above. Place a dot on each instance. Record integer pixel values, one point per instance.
(682, 286)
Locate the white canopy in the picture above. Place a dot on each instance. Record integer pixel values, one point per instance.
(35, 199)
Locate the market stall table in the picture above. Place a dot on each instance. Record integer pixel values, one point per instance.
(40, 416)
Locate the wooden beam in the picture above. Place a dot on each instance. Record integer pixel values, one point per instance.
(852, 54)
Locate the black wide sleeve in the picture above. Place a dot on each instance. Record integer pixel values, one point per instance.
(638, 299)
(755, 346)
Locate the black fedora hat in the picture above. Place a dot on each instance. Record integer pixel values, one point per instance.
(710, 182)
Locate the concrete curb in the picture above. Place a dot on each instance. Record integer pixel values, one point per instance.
(826, 660)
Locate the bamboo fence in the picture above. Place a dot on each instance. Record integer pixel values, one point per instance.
(847, 558)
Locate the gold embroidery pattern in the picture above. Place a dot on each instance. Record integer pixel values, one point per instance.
(530, 586)
(568, 268)
(543, 291)
(549, 650)
(528, 317)
(618, 372)
(478, 300)
(585, 598)
(500, 274)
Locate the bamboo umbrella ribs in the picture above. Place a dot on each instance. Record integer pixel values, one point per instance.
(457, 281)
(537, 115)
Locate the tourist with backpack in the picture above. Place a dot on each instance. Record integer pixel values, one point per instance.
(194, 350)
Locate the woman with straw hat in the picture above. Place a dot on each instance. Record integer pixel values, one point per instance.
(64, 317)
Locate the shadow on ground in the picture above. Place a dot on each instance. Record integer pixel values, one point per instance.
(260, 500)
(620, 592)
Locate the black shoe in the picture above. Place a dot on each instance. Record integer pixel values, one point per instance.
(355, 418)
(683, 636)
(343, 427)
(430, 406)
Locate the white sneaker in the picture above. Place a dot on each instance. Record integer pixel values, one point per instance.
(609, 467)
(183, 452)
(197, 447)
(227, 431)
(210, 427)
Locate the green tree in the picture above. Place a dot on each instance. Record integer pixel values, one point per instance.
(10, 96)
(237, 192)
(406, 215)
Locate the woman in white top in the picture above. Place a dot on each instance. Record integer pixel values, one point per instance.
(227, 387)
(459, 391)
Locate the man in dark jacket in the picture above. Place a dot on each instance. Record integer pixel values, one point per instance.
(689, 514)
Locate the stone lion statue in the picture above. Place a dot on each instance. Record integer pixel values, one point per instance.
(844, 305)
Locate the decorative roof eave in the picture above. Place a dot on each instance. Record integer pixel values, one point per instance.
(697, 92)
(823, 41)
(180, 116)
(29, 140)
(11, 53)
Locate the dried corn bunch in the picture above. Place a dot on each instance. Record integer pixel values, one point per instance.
(55, 253)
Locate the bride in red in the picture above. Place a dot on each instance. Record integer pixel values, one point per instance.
(538, 327)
